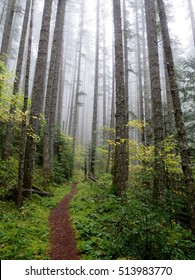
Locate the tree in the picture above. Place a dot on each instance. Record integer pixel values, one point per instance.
(24, 116)
(95, 101)
(7, 28)
(121, 159)
(52, 89)
(78, 82)
(57, 46)
(192, 19)
(181, 133)
(139, 73)
(37, 96)
(157, 115)
(9, 133)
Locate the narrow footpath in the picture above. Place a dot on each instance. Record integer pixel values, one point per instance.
(62, 236)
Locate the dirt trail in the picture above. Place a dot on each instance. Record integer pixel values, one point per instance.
(62, 236)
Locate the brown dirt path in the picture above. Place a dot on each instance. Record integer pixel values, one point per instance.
(62, 236)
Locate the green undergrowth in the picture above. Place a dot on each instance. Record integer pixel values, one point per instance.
(132, 227)
(24, 232)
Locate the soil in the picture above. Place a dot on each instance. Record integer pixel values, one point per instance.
(62, 236)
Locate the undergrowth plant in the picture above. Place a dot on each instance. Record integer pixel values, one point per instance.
(24, 231)
(129, 227)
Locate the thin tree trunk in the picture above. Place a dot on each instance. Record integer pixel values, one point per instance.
(95, 101)
(76, 104)
(104, 86)
(121, 160)
(70, 125)
(112, 124)
(181, 133)
(7, 28)
(2, 12)
(126, 61)
(37, 97)
(9, 132)
(24, 110)
(192, 18)
(140, 86)
(147, 107)
(159, 166)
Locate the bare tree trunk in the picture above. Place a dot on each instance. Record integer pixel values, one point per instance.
(70, 125)
(7, 28)
(121, 160)
(159, 167)
(37, 96)
(181, 133)
(170, 128)
(192, 19)
(147, 107)
(24, 119)
(9, 132)
(76, 104)
(58, 49)
(52, 89)
(104, 86)
(126, 60)
(140, 86)
(95, 101)
(3, 11)
(112, 124)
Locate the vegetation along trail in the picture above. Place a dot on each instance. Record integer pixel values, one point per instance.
(63, 243)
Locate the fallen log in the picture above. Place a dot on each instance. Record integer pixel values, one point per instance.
(40, 192)
(90, 176)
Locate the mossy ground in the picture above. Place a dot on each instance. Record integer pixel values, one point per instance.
(24, 232)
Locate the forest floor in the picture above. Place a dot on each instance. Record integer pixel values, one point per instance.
(63, 242)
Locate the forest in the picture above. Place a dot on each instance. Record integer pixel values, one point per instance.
(97, 129)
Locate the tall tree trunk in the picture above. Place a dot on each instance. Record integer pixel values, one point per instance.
(140, 86)
(181, 133)
(52, 89)
(95, 101)
(70, 125)
(7, 28)
(76, 104)
(170, 128)
(126, 60)
(147, 107)
(58, 49)
(24, 110)
(112, 124)
(121, 160)
(192, 18)
(157, 113)
(9, 132)
(37, 96)
(104, 86)
(3, 11)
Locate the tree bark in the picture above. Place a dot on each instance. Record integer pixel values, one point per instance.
(192, 18)
(140, 86)
(181, 133)
(24, 119)
(121, 160)
(52, 89)
(157, 112)
(37, 96)
(76, 104)
(95, 101)
(7, 28)
(9, 131)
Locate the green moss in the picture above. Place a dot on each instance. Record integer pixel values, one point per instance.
(24, 232)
